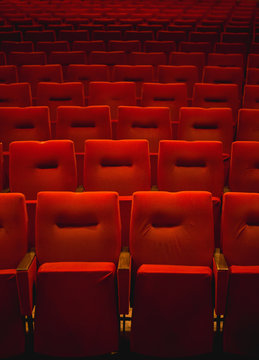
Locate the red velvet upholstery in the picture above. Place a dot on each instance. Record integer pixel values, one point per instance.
(179, 73)
(13, 241)
(223, 75)
(240, 215)
(248, 125)
(217, 95)
(173, 95)
(124, 45)
(37, 166)
(81, 123)
(26, 58)
(16, 94)
(86, 73)
(151, 123)
(8, 46)
(214, 124)
(88, 46)
(78, 273)
(8, 74)
(172, 245)
(137, 73)
(49, 46)
(54, 94)
(24, 123)
(112, 94)
(250, 97)
(215, 59)
(188, 58)
(243, 172)
(34, 74)
(117, 165)
(191, 165)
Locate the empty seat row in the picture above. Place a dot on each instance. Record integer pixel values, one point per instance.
(116, 165)
(171, 263)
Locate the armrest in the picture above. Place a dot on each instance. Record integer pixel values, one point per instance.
(221, 274)
(25, 279)
(123, 278)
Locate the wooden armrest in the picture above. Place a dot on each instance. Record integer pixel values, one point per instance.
(221, 274)
(25, 278)
(124, 260)
(26, 261)
(123, 277)
(220, 261)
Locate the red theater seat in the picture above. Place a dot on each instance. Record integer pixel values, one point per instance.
(78, 245)
(24, 123)
(15, 94)
(224, 75)
(26, 58)
(243, 174)
(33, 74)
(35, 36)
(216, 59)
(88, 46)
(73, 35)
(240, 248)
(136, 73)
(118, 165)
(172, 95)
(50, 46)
(172, 247)
(187, 74)
(193, 166)
(42, 166)
(188, 58)
(8, 74)
(54, 94)
(65, 58)
(217, 95)
(124, 45)
(248, 125)
(15, 279)
(20, 46)
(112, 94)
(251, 96)
(82, 123)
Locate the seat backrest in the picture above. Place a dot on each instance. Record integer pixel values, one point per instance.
(213, 124)
(81, 226)
(117, 165)
(172, 228)
(251, 97)
(216, 95)
(112, 94)
(86, 73)
(239, 228)
(1, 167)
(54, 94)
(151, 123)
(27, 58)
(187, 74)
(8, 46)
(34, 74)
(42, 166)
(216, 59)
(81, 123)
(8, 74)
(24, 123)
(248, 125)
(244, 163)
(223, 75)
(13, 235)
(172, 95)
(136, 73)
(15, 94)
(191, 165)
